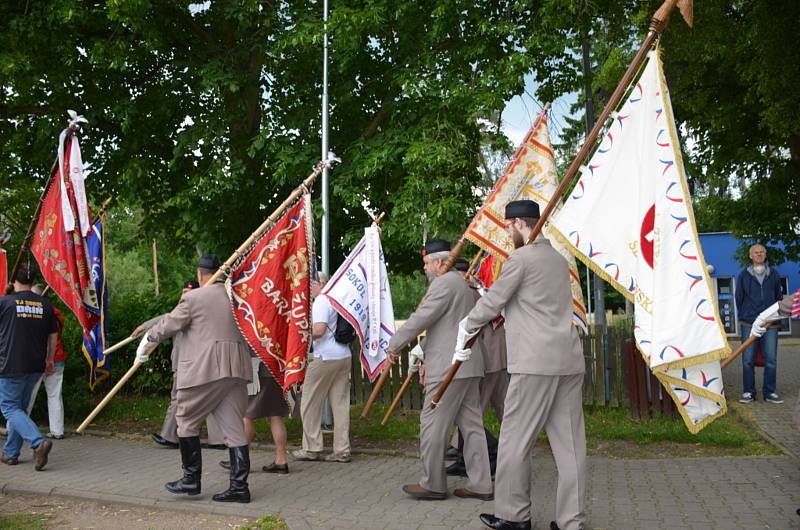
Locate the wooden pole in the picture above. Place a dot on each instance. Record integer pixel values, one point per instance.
(396, 400)
(376, 390)
(302, 188)
(657, 26)
(750, 340)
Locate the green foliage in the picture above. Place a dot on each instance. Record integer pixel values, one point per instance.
(407, 291)
(268, 522)
(28, 521)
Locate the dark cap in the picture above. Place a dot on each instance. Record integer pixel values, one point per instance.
(208, 261)
(524, 208)
(435, 245)
(191, 284)
(461, 265)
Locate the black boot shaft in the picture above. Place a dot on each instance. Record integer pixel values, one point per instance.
(192, 464)
(240, 470)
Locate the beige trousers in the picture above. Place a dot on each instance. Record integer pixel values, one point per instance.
(534, 402)
(493, 389)
(223, 401)
(169, 429)
(329, 379)
(460, 404)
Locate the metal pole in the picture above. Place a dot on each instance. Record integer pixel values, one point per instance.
(599, 286)
(325, 210)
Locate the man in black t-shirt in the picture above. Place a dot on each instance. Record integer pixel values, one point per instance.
(28, 338)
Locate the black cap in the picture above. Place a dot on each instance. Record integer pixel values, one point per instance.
(435, 245)
(524, 208)
(191, 284)
(461, 265)
(208, 261)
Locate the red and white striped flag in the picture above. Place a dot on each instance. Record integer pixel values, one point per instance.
(796, 305)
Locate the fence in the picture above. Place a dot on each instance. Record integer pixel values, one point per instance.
(616, 375)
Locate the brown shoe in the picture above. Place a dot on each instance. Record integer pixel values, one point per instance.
(464, 493)
(418, 492)
(8, 461)
(280, 469)
(40, 454)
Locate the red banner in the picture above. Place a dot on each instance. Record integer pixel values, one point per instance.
(62, 255)
(270, 292)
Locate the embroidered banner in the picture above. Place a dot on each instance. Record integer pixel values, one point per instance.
(359, 291)
(61, 253)
(530, 175)
(630, 219)
(270, 292)
(94, 341)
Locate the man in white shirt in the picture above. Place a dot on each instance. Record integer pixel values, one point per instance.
(327, 376)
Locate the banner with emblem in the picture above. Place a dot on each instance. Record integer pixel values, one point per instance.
(270, 291)
(530, 175)
(630, 219)
(95, 340)
(58, 242)
(359, 291)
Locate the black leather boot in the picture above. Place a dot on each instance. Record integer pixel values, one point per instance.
(192, 463)
(240, 470)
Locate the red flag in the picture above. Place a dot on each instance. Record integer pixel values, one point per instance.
(62, 255)
(270, 291)
(487, 271)
(3, 271)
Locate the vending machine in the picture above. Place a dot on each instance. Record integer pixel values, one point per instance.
(725, 286)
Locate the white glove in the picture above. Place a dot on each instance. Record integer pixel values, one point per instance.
(462, 355)
(757, 330)
(464, 335)
(144, 349)
(415, 358)
(770, 314)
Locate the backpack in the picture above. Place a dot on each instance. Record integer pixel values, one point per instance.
(344, 332)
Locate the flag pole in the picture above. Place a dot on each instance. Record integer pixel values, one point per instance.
(396, 400)
(304, 187)
(657, 25)
(746, 344)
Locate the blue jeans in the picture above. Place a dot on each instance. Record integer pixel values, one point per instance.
(769, 343)
(15, 394)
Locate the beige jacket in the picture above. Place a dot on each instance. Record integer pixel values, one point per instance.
(534, 291)
(447, 301)
(211, 347)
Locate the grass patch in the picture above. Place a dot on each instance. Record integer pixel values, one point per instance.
(268, 522)
(609, 431)
(27, 521)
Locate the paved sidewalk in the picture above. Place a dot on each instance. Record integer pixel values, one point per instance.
(707, 493)
(775, 420)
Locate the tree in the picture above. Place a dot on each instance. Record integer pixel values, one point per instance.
(204, 116)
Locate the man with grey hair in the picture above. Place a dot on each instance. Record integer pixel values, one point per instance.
(448, 300)
(757, 288)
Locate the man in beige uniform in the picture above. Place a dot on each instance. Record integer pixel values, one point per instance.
(546, 364)
(447, 301)
(213, 371)
(169, 429)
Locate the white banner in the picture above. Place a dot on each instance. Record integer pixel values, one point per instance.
(77, 177)
(359, 290)
(630, 219)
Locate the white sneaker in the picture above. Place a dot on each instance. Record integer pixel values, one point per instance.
(772, 397)
(747, 397)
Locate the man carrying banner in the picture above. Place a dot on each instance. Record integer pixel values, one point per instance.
(546, 364)
(169, 429)
(212, 378)
(447, 301)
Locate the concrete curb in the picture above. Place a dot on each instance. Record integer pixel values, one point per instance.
(749, 419)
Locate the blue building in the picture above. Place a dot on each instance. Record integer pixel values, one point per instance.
(719, 249)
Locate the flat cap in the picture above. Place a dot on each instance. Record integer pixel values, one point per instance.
(436, 245)
(209, 261)
(523, 208)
